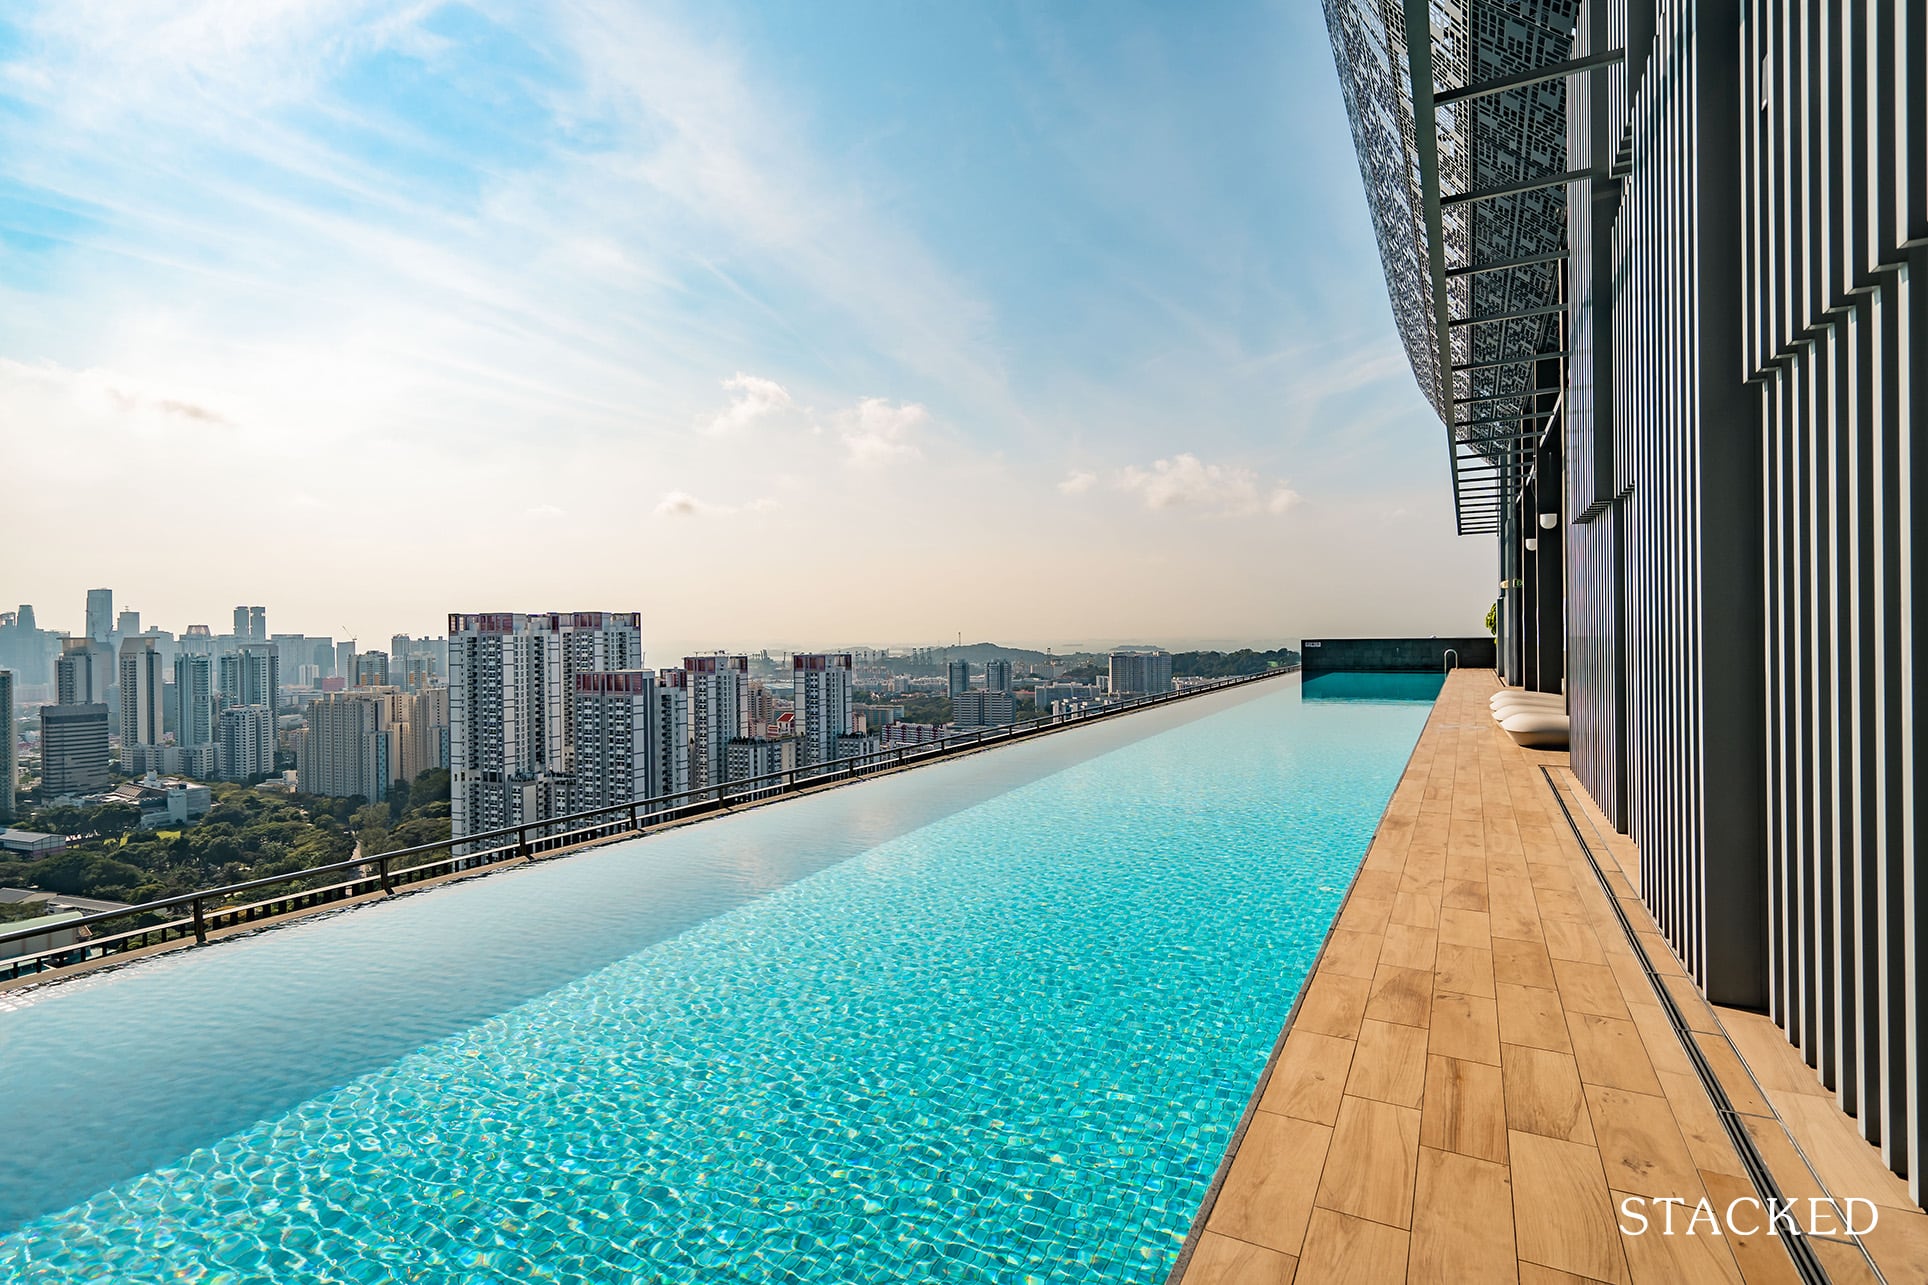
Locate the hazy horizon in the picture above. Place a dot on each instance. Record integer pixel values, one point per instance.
(807, 322)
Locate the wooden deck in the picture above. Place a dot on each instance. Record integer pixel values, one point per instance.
(1481, 1068)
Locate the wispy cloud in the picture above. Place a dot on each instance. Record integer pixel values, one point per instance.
(1185, 483)
(754, 399)
(876, 431)
(681, 504)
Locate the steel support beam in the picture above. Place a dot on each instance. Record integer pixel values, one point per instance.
(1510, 361)
(1533, 76)
(1530, 260)
(1522, 185)
(1521, 315)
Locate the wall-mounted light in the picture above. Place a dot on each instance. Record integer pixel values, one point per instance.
(1532, 544)
(1549, 520)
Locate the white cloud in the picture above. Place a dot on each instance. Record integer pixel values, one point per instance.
(1078, 482)
(681, 504)
(755, 398)
(876, 432)
(1186, 483)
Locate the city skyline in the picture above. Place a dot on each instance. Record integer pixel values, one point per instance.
(678, 255)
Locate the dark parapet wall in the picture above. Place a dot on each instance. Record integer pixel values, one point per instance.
(1394, 655)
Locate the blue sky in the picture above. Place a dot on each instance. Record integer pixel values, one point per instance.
(786, 324)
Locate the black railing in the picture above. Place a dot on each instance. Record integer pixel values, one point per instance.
(197, 914)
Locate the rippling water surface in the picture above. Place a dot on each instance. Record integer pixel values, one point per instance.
(992, 1020)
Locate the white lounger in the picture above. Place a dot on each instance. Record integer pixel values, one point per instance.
(1538, 730)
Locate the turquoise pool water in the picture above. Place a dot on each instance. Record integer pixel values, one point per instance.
(992, 1020)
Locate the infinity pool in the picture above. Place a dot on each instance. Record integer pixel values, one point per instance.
(991, 1020)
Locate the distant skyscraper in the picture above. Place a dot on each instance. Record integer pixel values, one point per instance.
(960, 675)
(1140, 673)
(80, 675)
(252, 676)
(241, 633)
(719, 713)
(822, 694)
(128, 623)
(9, 738)
(371, 669)
(247, 741)
(198, 641)
(425, 742)
(505, 719)
(140, 700)
(257, 624)
(100, 614)
(997, 676)
(345, 659)
(350, 748)
(193, 700)
(73, 748)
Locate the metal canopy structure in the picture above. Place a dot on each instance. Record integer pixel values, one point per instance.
(1458, 111)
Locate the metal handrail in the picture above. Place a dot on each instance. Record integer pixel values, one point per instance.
(207, 908)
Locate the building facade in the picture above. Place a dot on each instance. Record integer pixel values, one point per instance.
(748, 758)
(73, 749)
(193, 697)
(822, 692)
(505, 720)
(350, 748)
(673, 717)
(100, 615)
(1140, 673)
(719, 713)
(80, 675)
(997, 677)
(141, 693)
(970, 710)
(9, 739)
(619, 742)
(247, 742)
(1660, 269)
(250, 676)
(958, 672)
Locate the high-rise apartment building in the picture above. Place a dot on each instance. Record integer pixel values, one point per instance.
(9, 739)
(73, 748)
(247, 740)
(959, 672)
(350, 747)
(619, 739)
(425, 740)
(193, 697)
(719, 687)
(983, 709)
(80, 675)
(251, 676)
(591, 642)
(1140, 673)
(100, 614)
(997, 677)
(371, 669)
(673, 717)
(141, 695)
(505, 719)
(748, 758)
(822, 692)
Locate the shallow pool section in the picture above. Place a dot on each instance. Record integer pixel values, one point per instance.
(992, 1020)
